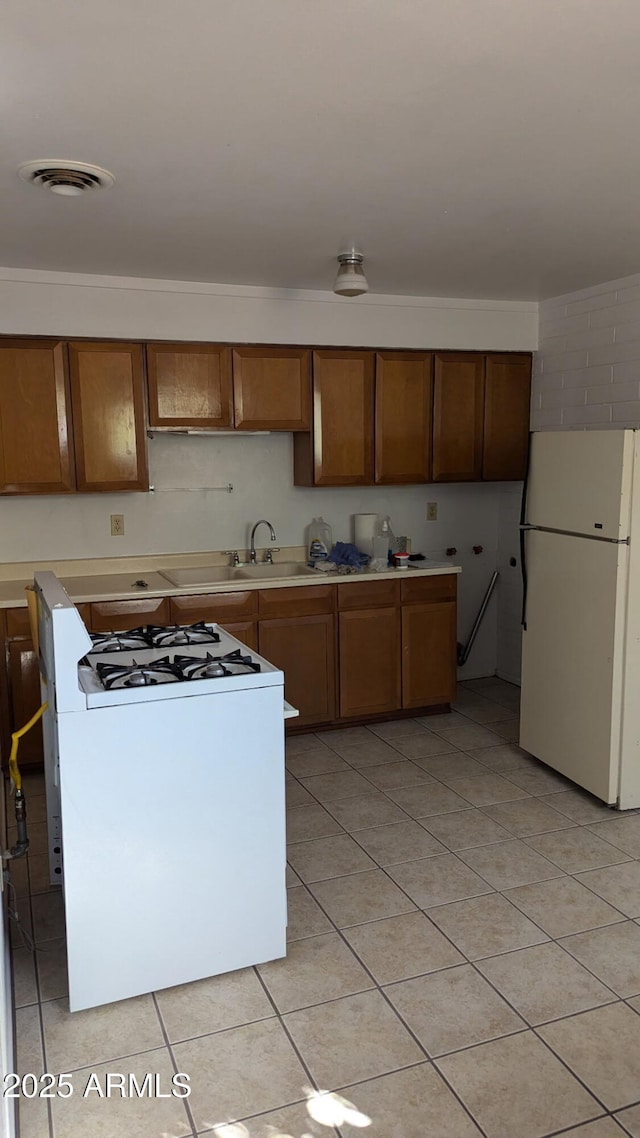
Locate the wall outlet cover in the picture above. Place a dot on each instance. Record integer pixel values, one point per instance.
(117, 525)
(432, 511)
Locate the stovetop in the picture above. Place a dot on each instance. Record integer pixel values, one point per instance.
(153, 636)
(175, 669)
(69, 657)
(156, 663)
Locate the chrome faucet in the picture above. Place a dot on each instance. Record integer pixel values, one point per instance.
(252, 549)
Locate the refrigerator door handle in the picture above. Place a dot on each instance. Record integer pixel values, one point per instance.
(523, 528)
(523, 570)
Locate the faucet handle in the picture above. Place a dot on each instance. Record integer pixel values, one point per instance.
(233, 554)
(268, 555)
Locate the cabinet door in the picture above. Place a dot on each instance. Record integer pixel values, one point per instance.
(403, 416)
(189, 385)
(107, 393)
(35, 425)
(369, 662)
(506, 417)
(428, 654)
(304, 647)
(458, 408)
(272, 389)
(244, 630)
(339, 450)
(25, 697)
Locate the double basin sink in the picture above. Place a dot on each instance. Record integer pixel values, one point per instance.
(220, 574)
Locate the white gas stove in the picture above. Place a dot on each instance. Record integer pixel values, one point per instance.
(164, 764)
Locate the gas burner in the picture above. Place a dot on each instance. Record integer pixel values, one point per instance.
(211, 667)
(136, 675)
(176, 634)
(118, 641)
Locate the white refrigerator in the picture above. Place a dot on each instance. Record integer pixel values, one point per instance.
(580, 710)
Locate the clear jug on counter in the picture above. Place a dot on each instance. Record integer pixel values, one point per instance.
(384, 541)
(320, 540)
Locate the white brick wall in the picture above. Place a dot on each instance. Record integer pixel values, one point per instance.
(586, 376)
(586, 372)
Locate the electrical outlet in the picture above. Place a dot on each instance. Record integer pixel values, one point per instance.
(117, 525)
(432, 511)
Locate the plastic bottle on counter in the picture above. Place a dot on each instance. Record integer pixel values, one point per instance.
(384, 541)
(320, 541)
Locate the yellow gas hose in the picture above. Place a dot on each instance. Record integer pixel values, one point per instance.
(14, 770)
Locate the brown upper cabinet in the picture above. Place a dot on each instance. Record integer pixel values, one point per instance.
(458, 411)
(272, 389)
(215, 387)
(189, 386)
(404, 396)
(107, 394)
(339, 449)
(71, 417)
(480, 416)
(506, 416)
(36, 453)
(411, 417)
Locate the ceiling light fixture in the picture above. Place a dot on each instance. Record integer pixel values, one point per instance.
(69, 179)
(350, 280)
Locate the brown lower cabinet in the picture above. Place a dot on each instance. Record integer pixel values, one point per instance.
(304, 647)
(235, 612)
(369, 662)
(20, 695)
(350, 651)
(25, 698)
(428, 654)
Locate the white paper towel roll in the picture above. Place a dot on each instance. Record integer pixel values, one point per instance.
(364, 530)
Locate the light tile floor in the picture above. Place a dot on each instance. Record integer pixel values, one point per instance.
(464, 959)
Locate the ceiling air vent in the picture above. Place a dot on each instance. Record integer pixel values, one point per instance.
(67, 178)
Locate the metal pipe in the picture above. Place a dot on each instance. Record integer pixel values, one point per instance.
(22, 845)
(464, 649)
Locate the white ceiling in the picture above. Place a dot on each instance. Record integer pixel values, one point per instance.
(472, 148)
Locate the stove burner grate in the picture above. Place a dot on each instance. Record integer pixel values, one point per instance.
(233, 663)
(175, 635)
(118, 641)
(136, 675)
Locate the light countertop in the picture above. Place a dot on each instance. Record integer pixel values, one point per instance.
(115, 579)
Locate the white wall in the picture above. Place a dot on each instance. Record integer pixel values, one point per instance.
(259, 467)
(586, 376)
(74, 304)
(509, 641)
(587, 370)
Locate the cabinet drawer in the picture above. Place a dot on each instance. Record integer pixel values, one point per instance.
(217, 607)
(304, 600)
(18, 621)
(439, 588)
(368, 594)
(107, 616)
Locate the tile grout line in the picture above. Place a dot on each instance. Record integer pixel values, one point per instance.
(380, 989)
(38, 1002)
(165, 1036)
(473, 963)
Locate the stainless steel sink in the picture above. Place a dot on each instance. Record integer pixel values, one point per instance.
(199, 575)
(266, 572)
(221, 574)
